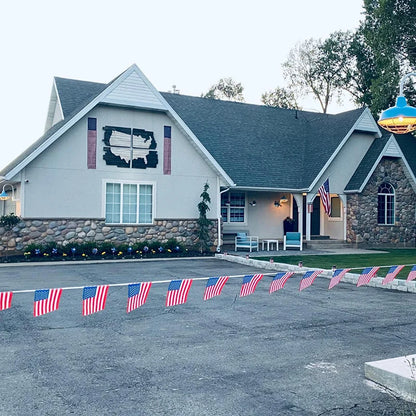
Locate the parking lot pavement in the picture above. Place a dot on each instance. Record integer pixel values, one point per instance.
(285, 353)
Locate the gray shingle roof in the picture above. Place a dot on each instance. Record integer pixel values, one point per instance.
(262, 146)
(257, 146)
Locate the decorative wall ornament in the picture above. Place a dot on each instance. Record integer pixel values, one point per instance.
(129, 148)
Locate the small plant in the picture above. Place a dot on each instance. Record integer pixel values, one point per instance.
(9, 221)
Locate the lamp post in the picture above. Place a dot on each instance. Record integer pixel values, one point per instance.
(401, 118)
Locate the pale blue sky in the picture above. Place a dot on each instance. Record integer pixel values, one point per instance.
(190, 44)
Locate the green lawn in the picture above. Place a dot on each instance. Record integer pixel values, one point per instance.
(391, 257)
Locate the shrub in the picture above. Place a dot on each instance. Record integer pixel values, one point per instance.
(9, 221)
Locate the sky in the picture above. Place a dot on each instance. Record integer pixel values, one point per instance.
(187, 43)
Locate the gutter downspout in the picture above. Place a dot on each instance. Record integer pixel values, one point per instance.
(219, 239)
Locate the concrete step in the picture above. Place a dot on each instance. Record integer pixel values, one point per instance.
(328, 244)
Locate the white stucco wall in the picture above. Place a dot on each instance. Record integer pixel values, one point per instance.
(60, 185)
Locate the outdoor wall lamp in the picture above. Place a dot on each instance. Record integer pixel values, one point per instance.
(277, 204)
(253, 203)
(4, 195)
(401, 118)
(283, 199)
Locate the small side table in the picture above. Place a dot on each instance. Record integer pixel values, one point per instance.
(269, 244)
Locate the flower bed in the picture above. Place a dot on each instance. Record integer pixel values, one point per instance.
(103, 251)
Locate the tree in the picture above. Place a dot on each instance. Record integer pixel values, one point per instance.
(203, 221)
(226, 89)
(280, 97)
(315, 67)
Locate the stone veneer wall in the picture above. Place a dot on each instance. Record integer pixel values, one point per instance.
(362, 226)
(66, 231)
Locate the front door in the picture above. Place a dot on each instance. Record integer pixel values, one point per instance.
(316, 217)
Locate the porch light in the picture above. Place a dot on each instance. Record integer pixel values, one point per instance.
(253, 203)
(283, 199)
(277, 204)
(401, 118)
(4, 195)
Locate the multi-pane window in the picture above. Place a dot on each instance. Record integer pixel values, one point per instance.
(127, 203)
(385, 209)
(233, 206)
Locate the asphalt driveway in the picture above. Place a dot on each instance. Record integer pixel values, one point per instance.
(288, 353)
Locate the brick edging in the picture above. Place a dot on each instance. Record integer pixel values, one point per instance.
(352, 278)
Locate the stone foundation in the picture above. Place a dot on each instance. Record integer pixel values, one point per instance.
(362, 226)
(67, 231)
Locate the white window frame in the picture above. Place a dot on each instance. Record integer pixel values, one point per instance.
(127, 182)
(341, 216)
(235, 224)
(393, 194)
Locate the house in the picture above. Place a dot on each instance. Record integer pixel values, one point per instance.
(123, 162)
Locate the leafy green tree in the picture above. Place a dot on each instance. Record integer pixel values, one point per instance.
(315, 67)
(203, 221)
(226, 89)
(280, 97)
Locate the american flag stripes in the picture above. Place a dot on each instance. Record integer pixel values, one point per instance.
(178, 292)
(279, 281)
(337, 276)
(308, 279)
(391, 274)
(5, 300)
(137, 295)
(46, 300)
(249, 284)
(412, 274)
(366, 275)
(214, 286)
(93, 299)
(325, 196)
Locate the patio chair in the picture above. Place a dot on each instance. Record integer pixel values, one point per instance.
(292, 239)
(242, 240)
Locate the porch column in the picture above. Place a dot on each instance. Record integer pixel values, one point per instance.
(299, 201)
(309, 200)
(343, 199)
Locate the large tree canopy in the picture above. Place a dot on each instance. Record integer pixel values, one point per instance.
(280, 97)
(226, 89)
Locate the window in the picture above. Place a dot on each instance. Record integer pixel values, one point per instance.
(336, 207)
(385, 209)
(128, 203)
(233, 206)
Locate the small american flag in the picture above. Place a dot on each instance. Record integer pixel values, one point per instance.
(137, 295)
(412, 274)
(308, 279)
(5, 300)
(178, 292)
(366, 275)
(325, 196)
(337, 276)
(391, 274)
(249, 284)
(46, 300)
(214, 286)
(279, 281)
(93, 299)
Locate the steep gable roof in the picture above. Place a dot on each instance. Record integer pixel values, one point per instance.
(264, 147)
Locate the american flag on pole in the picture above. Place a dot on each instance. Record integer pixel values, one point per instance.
(5, 300)
(308, 278)
(412, 274)
(325, 196)
(178, 292)
(93, 299)
(391, 274)
(214, 286)
(366, 275)
(249, 284)
(337, 276)
(279, 281)
(137, 295)
(46, 300)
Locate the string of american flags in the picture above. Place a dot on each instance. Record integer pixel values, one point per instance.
(94, 297)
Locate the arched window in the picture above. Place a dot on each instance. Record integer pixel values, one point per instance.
(385, 204)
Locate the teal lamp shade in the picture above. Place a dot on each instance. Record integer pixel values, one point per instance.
(400, 119)
(4, 196)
